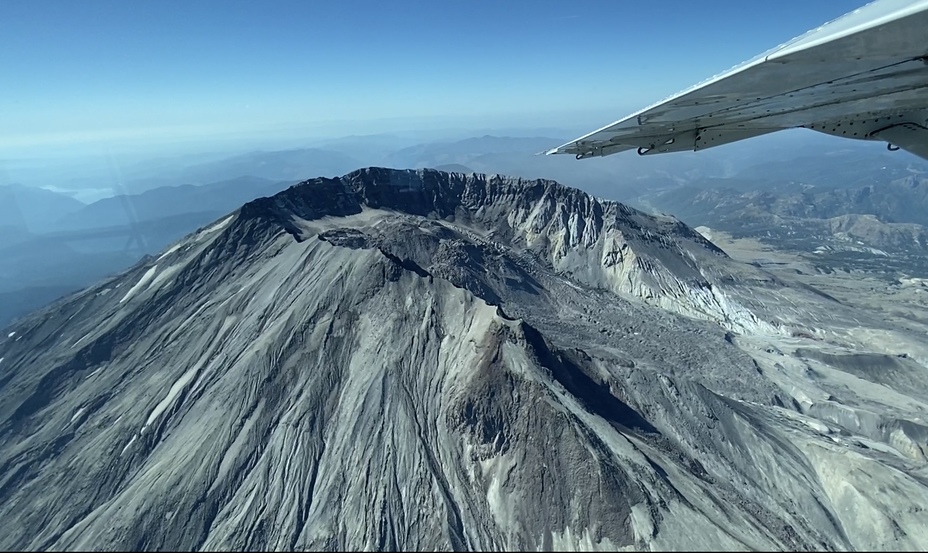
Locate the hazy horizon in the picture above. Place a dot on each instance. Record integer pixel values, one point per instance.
(110, 77)
(95, 90)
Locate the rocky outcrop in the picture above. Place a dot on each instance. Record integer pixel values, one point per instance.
(597, 243)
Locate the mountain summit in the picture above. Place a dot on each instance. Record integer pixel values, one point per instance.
(428, 360)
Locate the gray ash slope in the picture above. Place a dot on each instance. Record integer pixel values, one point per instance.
(419, 360)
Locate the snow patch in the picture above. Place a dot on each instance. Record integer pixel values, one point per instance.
(706, 232)
(84, 337)
(217, 227)
(128, 445)
(172, 394)
(94, 373)
(149, 274)
(11, 334)
(165, 275)
(78, 414)
(169, 251)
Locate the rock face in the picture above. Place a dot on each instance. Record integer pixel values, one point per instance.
(428, 360)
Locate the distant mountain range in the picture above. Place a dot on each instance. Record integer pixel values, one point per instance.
(461, 151)
(844, 168)
(214, 198)
(51, 244)
(27, 209)
(291, 165)
(764, 164)
(899, 201)
(883, 224)
(794, 186)
(135, 177)
(616, 177)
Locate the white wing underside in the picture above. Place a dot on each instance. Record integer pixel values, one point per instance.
(863, 76)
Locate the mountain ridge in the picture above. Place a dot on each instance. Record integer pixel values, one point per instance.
(621, 249)
(319, 370)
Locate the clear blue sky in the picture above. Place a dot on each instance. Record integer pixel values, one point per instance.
(77, 70)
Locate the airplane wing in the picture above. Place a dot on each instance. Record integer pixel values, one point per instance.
(863, 75)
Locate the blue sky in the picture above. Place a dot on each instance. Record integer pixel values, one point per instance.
(125, 70)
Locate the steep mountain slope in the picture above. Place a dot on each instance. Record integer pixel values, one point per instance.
(424, 360)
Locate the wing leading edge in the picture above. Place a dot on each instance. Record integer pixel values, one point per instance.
(863, 76)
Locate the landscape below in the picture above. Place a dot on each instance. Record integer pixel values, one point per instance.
(418, 359)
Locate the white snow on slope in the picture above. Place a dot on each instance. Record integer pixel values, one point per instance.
(165, 275)
(128, 445)
(84, 337)
(149, 274)
(169, 251)
(217, 227)
(172, 394)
